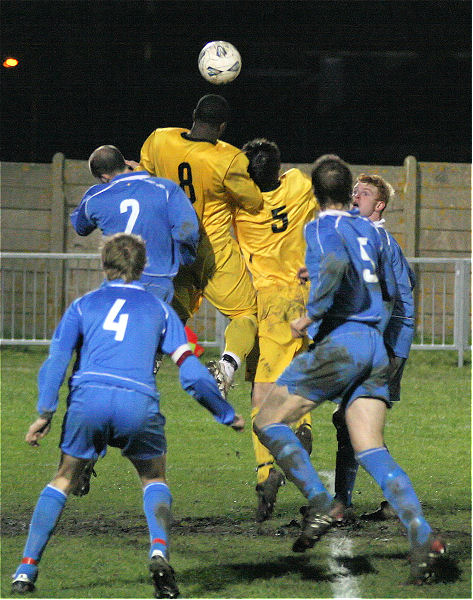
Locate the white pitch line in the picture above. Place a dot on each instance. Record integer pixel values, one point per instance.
(344, 584)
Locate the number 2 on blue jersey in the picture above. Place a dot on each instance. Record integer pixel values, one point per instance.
(111, 322)
(135, 211)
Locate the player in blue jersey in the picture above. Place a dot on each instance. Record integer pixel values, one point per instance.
(134, 202)
(113, 401)
(351, 280)
(153, 207)
(371, 194)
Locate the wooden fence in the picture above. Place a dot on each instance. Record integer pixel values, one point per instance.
(430, 215)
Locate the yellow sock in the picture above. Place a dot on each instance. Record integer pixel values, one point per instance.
(262, 454)
(240, 336)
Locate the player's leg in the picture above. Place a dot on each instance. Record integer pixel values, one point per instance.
(268, 478)
(272, 425)
(277, 306)
(346, 465)
(187, 296)
(396, 369)
(81, 441)
(83, 484)
(157, 500)
(231, 291)
(328, 371)
(323, 373)
(46, 514)
(139, 432)
(82, 426)
(303, 431)
(365, 419)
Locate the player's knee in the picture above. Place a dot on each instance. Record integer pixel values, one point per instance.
(248, 315)
(259, 425)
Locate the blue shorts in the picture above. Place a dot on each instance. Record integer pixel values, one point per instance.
(161, 287)
(102, 415)
(351, 361)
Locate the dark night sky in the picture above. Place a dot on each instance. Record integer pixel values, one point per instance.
(371, 81)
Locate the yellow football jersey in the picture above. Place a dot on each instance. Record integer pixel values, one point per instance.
(272, 241)
(214, 176)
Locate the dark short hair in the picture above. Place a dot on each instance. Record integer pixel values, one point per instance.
(106, 159)
(212, 109)
(332, 180)
(265, 161)
(123, 256)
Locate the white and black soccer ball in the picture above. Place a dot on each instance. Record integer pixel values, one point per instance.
(219, 62)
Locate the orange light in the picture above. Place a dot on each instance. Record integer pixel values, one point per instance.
(10, 62)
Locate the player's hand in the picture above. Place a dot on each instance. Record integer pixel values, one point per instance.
(299, 326)
(303, 275)
(132, 164)
(238, 423)
(37, 430)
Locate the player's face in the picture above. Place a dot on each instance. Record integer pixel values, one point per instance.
(365, 198)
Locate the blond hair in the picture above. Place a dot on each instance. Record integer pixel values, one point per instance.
(123, 256)
(385, 189)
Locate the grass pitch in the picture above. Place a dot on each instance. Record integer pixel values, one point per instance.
(99, 549)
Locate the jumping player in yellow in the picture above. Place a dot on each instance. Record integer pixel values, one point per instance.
(273, 246)
(215, 177)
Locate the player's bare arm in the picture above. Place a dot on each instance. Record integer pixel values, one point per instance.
(38, 430)
(299, 326)
(238, 423)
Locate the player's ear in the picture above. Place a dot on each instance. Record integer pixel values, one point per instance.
(221, 129)
(380, 206)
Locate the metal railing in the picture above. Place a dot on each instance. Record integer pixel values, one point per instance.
(37, 287)
(442, 303)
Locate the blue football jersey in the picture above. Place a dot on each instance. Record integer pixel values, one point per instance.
(351, 277)
(116, 331)
(399, 331)
(154, 208)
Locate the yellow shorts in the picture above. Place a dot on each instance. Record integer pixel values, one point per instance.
(277, 307)
(221, 277)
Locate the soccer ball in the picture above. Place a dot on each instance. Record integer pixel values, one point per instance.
(219, 62)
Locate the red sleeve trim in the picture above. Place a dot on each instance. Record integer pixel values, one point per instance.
(183, 357)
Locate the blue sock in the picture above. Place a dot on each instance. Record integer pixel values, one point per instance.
(157, 501)
(398, 491)
(48, 509)
(295, 462)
